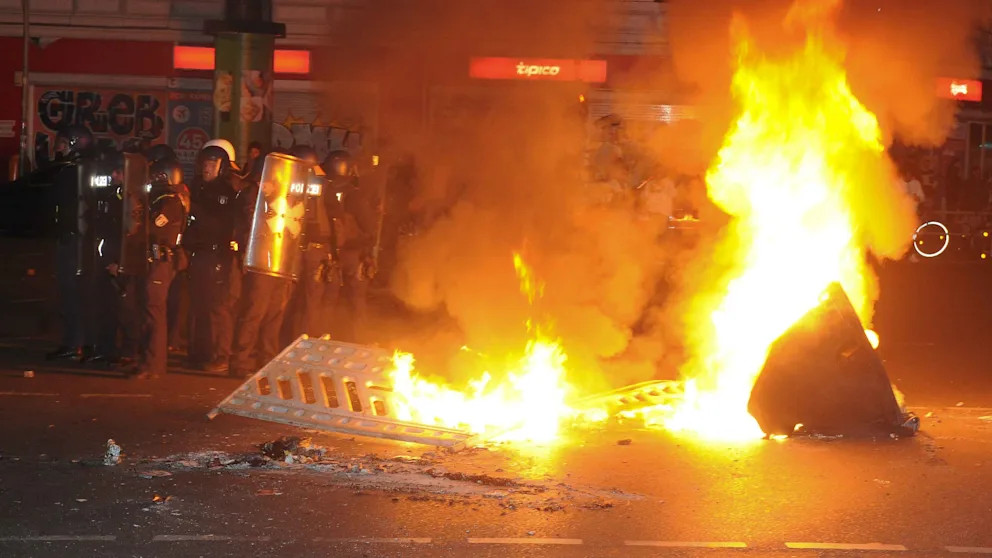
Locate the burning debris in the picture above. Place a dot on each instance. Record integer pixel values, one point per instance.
(822, 377)
(805, 180)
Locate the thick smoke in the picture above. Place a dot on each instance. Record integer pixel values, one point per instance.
(501, 167)
(895, 50)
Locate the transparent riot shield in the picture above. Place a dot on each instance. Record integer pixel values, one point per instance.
(277, 224)
(134, 197)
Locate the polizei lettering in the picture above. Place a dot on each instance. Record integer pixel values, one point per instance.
(531, 70)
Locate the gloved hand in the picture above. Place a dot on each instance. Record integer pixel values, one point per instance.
(367, 269)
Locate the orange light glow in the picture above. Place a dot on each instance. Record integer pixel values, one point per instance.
(959, 89)
(873, 338)
(789, 173)
(525, 403)
(202, 58)
(291, 62)
(192, 57)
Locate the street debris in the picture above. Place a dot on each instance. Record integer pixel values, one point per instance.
(292, 449)
(986, 418)
(430, 477)
(959, 404)
(882, 482)
(154, 473)
(624, 442)
(29, 373)
(113, 455)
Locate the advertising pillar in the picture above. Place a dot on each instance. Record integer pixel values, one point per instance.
(244, 43)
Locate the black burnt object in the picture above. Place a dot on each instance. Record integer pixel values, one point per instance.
(824, 374)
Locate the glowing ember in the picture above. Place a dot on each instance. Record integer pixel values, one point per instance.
(526, 403)
(794, 172)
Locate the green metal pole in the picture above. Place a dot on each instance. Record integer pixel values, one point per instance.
(244, 48)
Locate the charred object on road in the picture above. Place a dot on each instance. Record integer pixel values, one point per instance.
(822, 376)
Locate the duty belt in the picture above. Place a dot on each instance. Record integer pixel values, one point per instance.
(160, 253)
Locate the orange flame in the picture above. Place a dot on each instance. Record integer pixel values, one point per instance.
(526, 403)
(793, 173)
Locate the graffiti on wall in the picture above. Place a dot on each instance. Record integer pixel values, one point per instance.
(112, 115)
(322, 137)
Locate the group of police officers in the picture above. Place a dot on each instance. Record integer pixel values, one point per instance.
(286, 230)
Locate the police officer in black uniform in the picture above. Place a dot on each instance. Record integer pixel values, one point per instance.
(214, 272)
(262, 306)
(358, 218)
(166, 223)
(73, 146)
(320, 274)
(103, 291)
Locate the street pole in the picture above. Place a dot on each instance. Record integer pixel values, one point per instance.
(244, 46)
(24, 157)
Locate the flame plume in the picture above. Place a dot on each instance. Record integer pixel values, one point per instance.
(804, 175)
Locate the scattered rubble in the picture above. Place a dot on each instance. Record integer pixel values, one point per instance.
(154, 473)
(429, 477)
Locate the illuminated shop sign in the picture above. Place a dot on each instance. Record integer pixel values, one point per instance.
(538, 69)
(959, 89)
(202, 58)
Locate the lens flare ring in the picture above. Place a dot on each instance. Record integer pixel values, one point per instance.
(946, 236)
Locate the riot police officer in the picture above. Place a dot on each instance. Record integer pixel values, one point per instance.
(160, 152)
(356, 239)
(214, 273)
(165, 225)
(73, 145)
(320, 270)
(101, 302)
(276, 210)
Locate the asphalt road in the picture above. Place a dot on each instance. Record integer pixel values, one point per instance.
(188, 486)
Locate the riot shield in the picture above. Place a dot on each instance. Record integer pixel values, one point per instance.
(88, 176)
(277, 224)
(134, 221)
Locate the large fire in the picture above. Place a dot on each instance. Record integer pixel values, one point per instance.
(804, 176)
(796, 172)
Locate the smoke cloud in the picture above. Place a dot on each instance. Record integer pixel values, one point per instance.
(502, 166)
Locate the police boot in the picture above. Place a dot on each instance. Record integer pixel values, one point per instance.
(63, 352)
(90, 354)
(216, 365)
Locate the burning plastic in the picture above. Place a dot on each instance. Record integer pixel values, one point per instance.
(824, 375)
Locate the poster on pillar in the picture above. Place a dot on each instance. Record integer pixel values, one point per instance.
(256, 95)
(114, 116)
(191, 119)
(340, 115)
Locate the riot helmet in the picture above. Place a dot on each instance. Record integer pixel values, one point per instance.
(159, 152)
(304, 152)
(339, 164)
(167, 172)
(212, 163)
(73, 141)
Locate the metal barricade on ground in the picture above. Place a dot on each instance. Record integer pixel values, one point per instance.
(334, 386)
